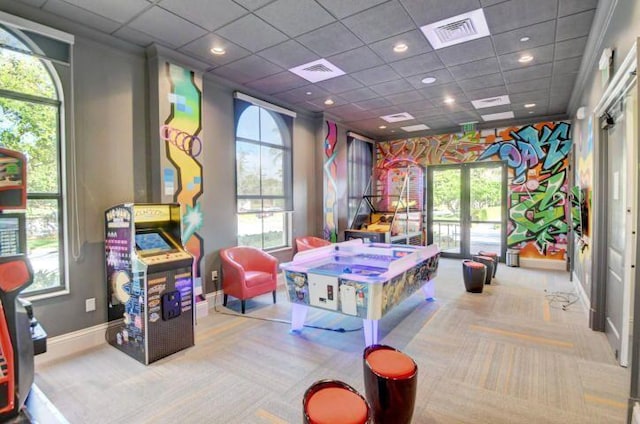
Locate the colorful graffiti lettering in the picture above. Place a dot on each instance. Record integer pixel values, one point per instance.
(185, 123)
(530, 147)
(330, 230)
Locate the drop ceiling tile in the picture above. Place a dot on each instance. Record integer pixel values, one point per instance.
(339, 84)
(514, 14)
(562, 80)
(354, 115)
(34, 3)
(249, 69)
(202, 49)
(484, 93)
(252, 4)
(539, 35)
(536, 96)
(461, 103)
(486, 3)
(569, 7)
(538, 84)
(475, 69)
(299, 95)
(442, 76)
(574, 26)
(330, 40)
(407, 97)
(485, 81)
(278, 83)
(567, 66)
(359, 94)
(558, 105)
(289, 54)
(534, 115)
(341, 8)
(539, 104)
(319, 103)
(133, 36)
(161, 25)
(528, 73)
(470, 51)
(202, 12)
(440, 123)
(429, 11)
(570, 48)
(356, 59)
(443, 90)
(464, 116)
(419, 107)
(380, 22)
(414, 39)
(252, 33)
(116, 10)
(83, 16)
(392, 87)
(295, 17)
(376, 75)
(417, 64)
(540, 55)
(376, 103)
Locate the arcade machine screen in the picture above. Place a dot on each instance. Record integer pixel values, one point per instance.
(152, 243)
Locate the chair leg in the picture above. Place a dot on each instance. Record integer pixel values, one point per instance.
(224, 299)
(274, 296)
(242, 305)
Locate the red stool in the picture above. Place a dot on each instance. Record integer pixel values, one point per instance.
(334, 402)
(390, 383)
(494, 256)
(489, 263)
(474, 275)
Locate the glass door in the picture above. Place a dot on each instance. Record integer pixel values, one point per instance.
(467, 208)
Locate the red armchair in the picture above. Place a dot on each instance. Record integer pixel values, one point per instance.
(310, 242)
(247, 272)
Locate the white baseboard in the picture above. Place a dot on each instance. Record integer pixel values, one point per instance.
(216, 296)
(68, 344)
(582, 294)
(202, 308)
(543, 264)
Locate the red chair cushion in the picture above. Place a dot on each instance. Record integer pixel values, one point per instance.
(472, 264)
(256, 278)
(486, 258)
(334, 405)
(391, 363)
(490, 254)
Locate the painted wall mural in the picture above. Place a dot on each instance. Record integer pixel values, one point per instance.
(330, 185)
(537, 157)
(181, 165)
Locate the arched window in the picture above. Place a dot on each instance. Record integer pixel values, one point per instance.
(263, 176)
(31, 122)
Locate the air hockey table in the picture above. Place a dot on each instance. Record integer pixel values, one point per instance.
(359, 279)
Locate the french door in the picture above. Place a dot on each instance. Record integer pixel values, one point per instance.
(467, 208)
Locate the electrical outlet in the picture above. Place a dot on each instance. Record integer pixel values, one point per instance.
(90, 304)
(214, 275)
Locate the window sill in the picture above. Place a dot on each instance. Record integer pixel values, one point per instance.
(279, 249)
(42, 296)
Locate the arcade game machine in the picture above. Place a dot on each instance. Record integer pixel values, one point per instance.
(150, 289)
(21, 336)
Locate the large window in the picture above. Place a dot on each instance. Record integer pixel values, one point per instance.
(360, 167)
(31, 107)
(263, 176)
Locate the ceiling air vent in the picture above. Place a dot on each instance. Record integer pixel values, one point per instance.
(418, 127)
(398, 117)
(491, 102)
(457, 29)
(498, 116)
(318, 70)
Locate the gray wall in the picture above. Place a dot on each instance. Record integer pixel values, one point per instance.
(111, 130)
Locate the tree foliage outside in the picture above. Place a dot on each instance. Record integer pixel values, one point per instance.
(30, 125)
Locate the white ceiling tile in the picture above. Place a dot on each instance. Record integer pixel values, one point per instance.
(161, 25)
(204, 13)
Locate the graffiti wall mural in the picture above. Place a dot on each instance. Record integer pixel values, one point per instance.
(181, 165)
(330, 185)
(537, 157)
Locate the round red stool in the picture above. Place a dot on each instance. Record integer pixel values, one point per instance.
(494, 256)
(474, 275)
(334, 402)
(489, 263)
(390, 384)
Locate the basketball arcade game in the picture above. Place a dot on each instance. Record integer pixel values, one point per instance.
(150, 289)
(21, 336)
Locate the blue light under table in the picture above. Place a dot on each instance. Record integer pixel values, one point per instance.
(359, 279)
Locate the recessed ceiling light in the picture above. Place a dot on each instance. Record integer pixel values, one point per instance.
(525, 58)
(329, 102)
(308, 93)
(218, 51)
(528, 105)
(428, 80)
(400, 47)
(523, 39)
(449, 100)
(530, 111)
(393, 130)
(382, 127)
